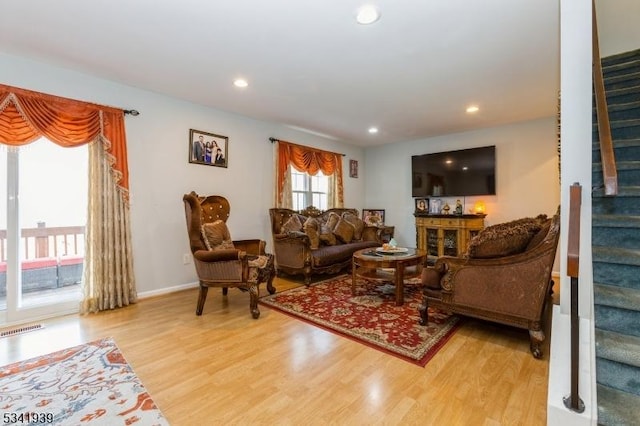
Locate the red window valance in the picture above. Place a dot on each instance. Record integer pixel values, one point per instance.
(26, 116)
(306, 160)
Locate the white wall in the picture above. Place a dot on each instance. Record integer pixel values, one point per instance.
(618, 29)
(160, 173)
(527, 180)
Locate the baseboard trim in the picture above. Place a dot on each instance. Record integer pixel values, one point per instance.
(167, 290)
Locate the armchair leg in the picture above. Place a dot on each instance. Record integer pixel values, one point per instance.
(254, 294)
(225, 291)
(201, 299)
(270, 288)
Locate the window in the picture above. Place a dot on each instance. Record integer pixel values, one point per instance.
(309, 190)
(43, 208)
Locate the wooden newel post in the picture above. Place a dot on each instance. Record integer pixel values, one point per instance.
(573, 401)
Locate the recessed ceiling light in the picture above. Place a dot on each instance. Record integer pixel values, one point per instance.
(473, 108)
(373, 130)
(240, 82)
(465, 168)
(367, 14)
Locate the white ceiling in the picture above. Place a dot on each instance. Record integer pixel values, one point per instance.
(308, 63)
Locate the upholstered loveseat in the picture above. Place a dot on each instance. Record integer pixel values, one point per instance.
(504, 277)
(318, 242)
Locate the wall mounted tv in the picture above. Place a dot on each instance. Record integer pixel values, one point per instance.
(459, 173)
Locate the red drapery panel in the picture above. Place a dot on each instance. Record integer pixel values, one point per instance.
(307, 160)
(26, 116)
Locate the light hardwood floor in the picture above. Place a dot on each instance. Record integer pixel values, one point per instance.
(226, 368)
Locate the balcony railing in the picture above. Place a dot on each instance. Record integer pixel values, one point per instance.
(53, 257)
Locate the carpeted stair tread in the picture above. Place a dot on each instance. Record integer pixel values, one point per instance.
(621, 111)
(620, 165)
(628, 172)
(622, 321)
(616, 274)
(625, 238)
(617, 297)
(618, 375)
(622, 95)
(616, 255)
(624, 67)
(616, 407)
(615, 221)
(624, 149)
(626, 202)
(618, 347)
(618, 143)
(616, 231)
(625, 191)
(619, 124)
(622, 79)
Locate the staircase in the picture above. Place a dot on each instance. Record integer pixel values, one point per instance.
(616, 249)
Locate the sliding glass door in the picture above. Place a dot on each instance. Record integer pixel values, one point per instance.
(42, 225)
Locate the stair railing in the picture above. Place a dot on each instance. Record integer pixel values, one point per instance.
(609, 172)
(573, 401)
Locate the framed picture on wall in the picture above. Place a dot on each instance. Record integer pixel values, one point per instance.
(208, 148)
(353, 168)
(373, 217)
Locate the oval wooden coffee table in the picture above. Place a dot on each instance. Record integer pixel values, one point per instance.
(373, 264)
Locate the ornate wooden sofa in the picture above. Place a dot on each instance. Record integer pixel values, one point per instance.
(505, 276)
(318, 242)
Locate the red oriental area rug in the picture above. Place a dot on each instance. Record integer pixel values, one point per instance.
(90, 384)
(371, 316)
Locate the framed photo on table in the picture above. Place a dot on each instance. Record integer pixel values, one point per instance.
(373, 217)
(208, 149)
(435, 206)
(422, 205)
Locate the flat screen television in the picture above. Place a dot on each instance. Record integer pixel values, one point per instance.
(461, 173)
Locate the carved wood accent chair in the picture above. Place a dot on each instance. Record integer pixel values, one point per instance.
(220, 261)
(505, 276)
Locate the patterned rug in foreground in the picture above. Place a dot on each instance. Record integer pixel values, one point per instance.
(371, 316)
(90, 384)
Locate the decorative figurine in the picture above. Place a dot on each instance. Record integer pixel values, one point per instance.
(459, 208)
(446, 208)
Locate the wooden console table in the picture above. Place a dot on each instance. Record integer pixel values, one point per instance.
(446, 235)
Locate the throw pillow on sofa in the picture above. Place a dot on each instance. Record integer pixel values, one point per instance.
(326, 235)
(311, 227)
(343, 231)
(293, 224)
(216, 236)
(356, 222)
(504, 239)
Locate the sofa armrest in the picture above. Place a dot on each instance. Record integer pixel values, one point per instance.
(518, 287)
(209, 256)
(292, 238)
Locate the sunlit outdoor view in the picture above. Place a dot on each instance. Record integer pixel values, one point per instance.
(51, 217)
